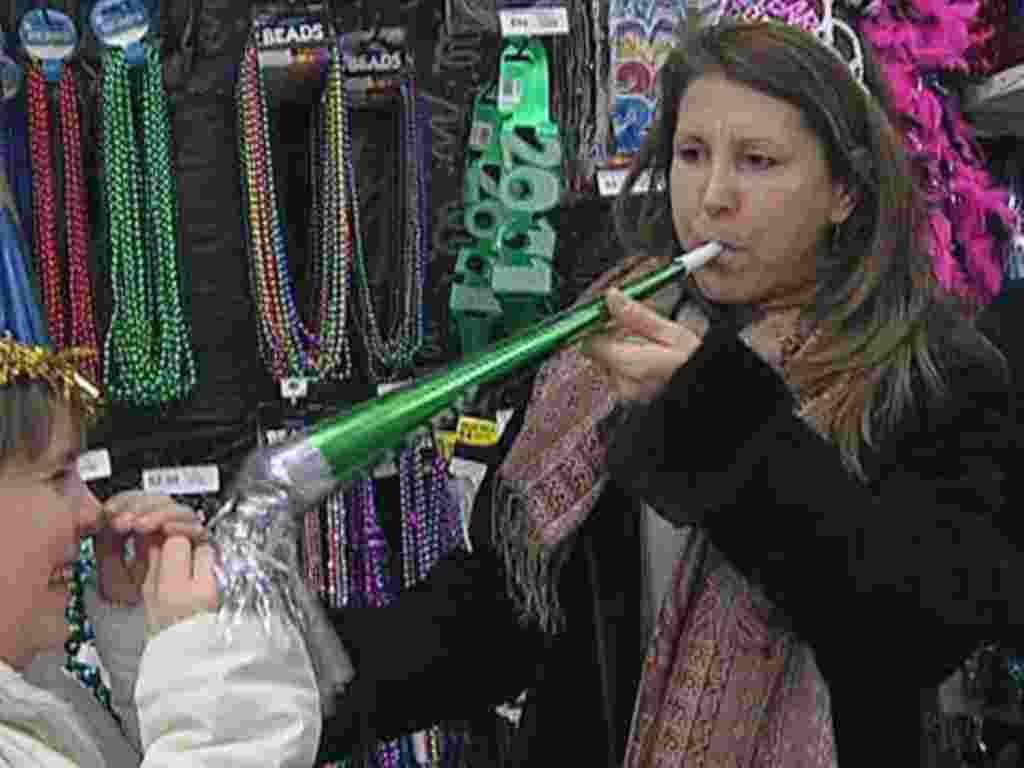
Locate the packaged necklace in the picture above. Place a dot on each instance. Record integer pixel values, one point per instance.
(389, 209)
(293, 44)
(302, 339)
(147, 354)
(60, 217)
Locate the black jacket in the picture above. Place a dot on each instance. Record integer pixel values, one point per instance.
(892, 582)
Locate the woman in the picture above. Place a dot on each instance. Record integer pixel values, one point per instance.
(198, 701)
(788, 494)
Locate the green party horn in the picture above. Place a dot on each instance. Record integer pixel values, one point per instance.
(352, 440)
(255, 533)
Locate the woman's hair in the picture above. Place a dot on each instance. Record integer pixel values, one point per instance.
(27, 417)
(881, 317)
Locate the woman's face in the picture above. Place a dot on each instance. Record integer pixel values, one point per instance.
(47, 508)
(748, 172)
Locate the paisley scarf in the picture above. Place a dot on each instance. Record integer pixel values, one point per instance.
(721, 685)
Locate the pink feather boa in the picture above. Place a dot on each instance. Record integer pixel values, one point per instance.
(912, 40)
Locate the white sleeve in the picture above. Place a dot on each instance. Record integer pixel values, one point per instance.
(250, 700)
(120, 633)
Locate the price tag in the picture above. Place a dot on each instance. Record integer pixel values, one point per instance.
(474, 298)
(469, 476)
(481, 433)
(510, 92)
(275, 436)
(611, 180)
(481, 134)
(182, 481)
(534, 22)
(533, 280)
(392, 386)
(294, 388)
(275, 59)
(503, 416)
(94, 465)
(386, 468)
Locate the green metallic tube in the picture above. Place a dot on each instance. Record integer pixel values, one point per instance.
(352, 440)
(256, 530)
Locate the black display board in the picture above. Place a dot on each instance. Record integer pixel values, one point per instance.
(202, 44)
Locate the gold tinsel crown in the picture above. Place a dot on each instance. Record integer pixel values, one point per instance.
(60, 370)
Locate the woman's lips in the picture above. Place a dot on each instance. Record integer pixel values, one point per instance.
(724, 243)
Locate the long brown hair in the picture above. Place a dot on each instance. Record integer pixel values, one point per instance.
(882, 319)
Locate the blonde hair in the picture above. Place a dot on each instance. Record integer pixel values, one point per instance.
(27, 417)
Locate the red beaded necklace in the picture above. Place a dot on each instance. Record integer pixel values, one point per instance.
(66, 293)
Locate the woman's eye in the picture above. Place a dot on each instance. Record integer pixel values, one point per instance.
(688, 154)
(758, 162)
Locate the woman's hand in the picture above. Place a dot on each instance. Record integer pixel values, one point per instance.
(180, 583)
(145, 520)
(641, 350)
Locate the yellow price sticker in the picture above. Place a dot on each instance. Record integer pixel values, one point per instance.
(477, 432)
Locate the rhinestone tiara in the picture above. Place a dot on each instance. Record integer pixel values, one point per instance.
(834, 33)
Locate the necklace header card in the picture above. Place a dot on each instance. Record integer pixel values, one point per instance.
(373, 62)
(293, 54)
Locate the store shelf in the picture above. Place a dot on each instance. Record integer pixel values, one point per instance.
(996, 106)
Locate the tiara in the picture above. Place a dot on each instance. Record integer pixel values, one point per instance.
(830, 31)
(60, 370)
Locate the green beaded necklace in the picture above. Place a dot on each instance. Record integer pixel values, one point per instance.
(80, 630)
(148, 355)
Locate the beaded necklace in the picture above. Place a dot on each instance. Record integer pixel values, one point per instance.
(371, 586)
(405, 337)
(431, 528)
(71, 295)
(148, 353)
(356, 571)
(80, 631)
(288, 346)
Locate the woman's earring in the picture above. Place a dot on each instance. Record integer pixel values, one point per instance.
(837, 238)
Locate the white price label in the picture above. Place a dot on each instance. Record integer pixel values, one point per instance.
(275, 436)
(534, 22)
(294, 388)
(533, 280)
(94, 465)
(611, 180)
(469, 476)
(182, 480)
(473, 298)
(386, 468)
(503, 417)
(392, 386)
(481, 134)
(510, 93)
(280, 59)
